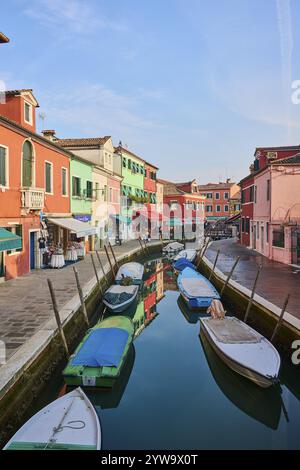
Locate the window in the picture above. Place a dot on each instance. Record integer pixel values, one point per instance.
(243, 224)
(129, 164)
(268, 190)
(243, 196)
(3, 166)
(218, 208)
(105, 192)
(255, 194)
(226, 195)
(226, 208)
(267, 232)
(209, 195)
(89, 190)
(48, 177)
(64, 182)
(110, 195)
(278, 237)
(17, 230)
(76, 186)
(27, 164)
(208, 208)
(27, 112)
(217, 196)
(237, 207)
(257, 230)
(247, 226)
(124, 162)
(251, 196)
(96, 191)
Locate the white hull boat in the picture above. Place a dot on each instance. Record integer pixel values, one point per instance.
(243, 349)
(68, 423)
(190, 255)
(173, 247)
(118, 298)
(133, 270)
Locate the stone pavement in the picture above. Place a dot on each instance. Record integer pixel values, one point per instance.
(275, 281)
(25, 303)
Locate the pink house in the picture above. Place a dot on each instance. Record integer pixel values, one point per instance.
(275, 230)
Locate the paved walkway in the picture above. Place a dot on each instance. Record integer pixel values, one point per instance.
(276, 280)
(25, 303)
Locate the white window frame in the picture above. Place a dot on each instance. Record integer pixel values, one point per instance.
(30, 112)
(217, 198)
(6, 186)
(67, 180)
(51, 164)
(226, 195)
(218, 205)
(226, 210)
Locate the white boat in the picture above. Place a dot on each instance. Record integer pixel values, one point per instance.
(133, 270)
(243, 349)
(68, 423)
(173, 247)
(189, 254)
(118, 298)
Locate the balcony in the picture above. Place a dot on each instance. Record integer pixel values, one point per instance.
(32, 199)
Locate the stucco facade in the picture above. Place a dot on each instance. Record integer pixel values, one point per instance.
(81, 173)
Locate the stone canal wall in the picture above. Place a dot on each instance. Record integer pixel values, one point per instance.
(27, 372)
(263, 315)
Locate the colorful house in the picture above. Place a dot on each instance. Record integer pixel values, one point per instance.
(217, 203)
(34, 183)
(262, 157)
(275, 228)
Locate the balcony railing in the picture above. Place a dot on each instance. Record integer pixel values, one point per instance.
(32, 199)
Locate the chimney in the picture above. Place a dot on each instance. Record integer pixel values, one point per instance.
(228, 180)
(49, 134)
(251, 168)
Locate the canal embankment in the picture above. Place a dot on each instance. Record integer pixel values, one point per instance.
(28, 369)
(274, 283)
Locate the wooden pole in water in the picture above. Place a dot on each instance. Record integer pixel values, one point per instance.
(101, 266)
(280, 320)
(143, 248)
(112, 251)
(110, 263)
(215, 264)
(57, 317)
(252, 294)
(96, 273)
(83, 307)
(204, 248)
(229, 276)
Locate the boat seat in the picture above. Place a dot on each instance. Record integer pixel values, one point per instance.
(231, 330)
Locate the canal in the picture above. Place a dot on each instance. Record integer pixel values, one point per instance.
(175, 393)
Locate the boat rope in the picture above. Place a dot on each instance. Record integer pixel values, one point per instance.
(60, 428)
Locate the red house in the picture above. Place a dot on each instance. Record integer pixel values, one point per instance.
(262, 157)
(34, 183)
(150, 186)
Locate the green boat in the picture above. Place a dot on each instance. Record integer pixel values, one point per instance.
(99, 358)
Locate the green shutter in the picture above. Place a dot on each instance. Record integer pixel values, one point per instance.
(27, 164)
(3, 181)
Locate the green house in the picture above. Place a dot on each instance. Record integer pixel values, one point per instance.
(81, 189)
(132, 188)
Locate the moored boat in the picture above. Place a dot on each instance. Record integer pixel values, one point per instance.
(181, 264)
(173, 247)
(196, 290)
(243, 349)
(189, 254)
(68, 423)
(118, 298)
(131, 270)
(99, 358)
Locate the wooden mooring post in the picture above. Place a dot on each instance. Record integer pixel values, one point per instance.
(112, 252)
(80, 292)
(214, 266)
(143, 248)
(96, 274)
(102, 267)
(229, 276)
(109, 260)
(57, 317)
(202, 252)
(280, 320)
(252, 294)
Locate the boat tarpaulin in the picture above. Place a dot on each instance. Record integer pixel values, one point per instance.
(82, 229)
(104, 347)
(9, 240)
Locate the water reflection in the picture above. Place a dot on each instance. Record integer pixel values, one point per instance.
(262, 405)
(189, 315)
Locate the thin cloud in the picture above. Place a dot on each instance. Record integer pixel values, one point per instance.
(74, 15)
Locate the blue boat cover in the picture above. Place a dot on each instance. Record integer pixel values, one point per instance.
(104, 347)
(183, 263)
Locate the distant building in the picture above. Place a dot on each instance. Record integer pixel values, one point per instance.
(217, 199)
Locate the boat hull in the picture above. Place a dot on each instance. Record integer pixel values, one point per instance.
(119, 308)
(259, 379)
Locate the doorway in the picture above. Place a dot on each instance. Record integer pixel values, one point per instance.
(262, 238)
(33, 258)
(2, 266)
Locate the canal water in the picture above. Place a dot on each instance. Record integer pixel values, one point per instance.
(175, 393)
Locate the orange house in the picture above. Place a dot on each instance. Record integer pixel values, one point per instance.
(34, 182)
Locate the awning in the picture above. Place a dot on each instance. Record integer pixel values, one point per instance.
(9, 240)
(81, 229)
(122, 218)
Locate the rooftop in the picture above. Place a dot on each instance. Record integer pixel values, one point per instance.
(83, 142)
(205, 187)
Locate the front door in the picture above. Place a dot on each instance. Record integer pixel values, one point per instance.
(254, 237)
(262, 238)
(32, 250)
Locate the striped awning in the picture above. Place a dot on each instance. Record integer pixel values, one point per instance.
(9, 240)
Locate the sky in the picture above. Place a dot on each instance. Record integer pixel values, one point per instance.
(193, 86)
